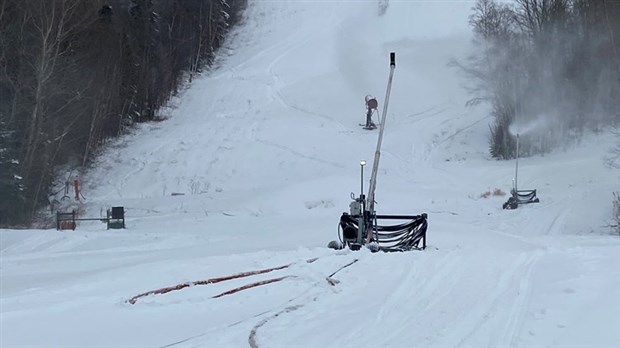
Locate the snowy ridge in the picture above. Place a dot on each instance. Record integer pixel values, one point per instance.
(263, 153)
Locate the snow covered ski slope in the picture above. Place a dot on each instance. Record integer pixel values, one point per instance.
(254, 167)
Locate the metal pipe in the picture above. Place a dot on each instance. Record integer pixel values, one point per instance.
(517, 165)
(370, 205)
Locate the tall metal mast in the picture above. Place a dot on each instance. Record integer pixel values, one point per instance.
(370, 200)
(516, 121)
(516, 188)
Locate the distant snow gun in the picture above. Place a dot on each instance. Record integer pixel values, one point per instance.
(518, 197)
(371, 107)
(360, 226)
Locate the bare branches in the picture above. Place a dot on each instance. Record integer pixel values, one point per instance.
(74, 72)
(555, 59)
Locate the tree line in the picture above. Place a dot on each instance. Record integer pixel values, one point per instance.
(74, 73)
(549, 69)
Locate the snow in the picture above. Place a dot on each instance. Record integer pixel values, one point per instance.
(265, 151)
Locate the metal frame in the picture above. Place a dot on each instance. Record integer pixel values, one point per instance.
(519, 197)
(400, 237)
(115, 218)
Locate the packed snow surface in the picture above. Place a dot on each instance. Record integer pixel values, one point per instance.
(255, 164)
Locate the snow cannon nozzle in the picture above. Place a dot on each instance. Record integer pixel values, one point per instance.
(392, 59)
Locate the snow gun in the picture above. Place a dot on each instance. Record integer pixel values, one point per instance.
(360, 226)
(518, 197)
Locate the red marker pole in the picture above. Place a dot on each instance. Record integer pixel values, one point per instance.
(76, 187)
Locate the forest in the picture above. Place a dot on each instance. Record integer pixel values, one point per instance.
(74, 73)
(549, 69)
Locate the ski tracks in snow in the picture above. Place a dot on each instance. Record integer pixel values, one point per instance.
(425, 290)
(315, 288)
(252, 338)
(441, 139)
(417, 293)
(521, 304)
(276, 86)
(513, 286)
(299, 154)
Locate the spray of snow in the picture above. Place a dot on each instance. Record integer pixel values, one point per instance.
(523, 128)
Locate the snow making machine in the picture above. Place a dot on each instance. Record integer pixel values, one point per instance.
(519, 197)
(362, 226)
(371, 108)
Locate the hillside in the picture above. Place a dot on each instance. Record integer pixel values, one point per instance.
(262, 154)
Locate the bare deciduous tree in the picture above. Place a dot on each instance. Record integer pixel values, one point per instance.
(74, 72)
(549, 60)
